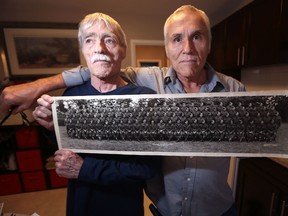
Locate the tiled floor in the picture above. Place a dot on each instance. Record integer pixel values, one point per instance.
(44, 203)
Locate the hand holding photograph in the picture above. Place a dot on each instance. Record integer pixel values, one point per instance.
(246, 124)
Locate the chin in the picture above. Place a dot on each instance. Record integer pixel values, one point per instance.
(102, 75)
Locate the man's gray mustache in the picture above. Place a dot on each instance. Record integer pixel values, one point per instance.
(101, 57)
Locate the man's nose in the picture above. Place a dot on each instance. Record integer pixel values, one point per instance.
(188, 46)
(99, 46)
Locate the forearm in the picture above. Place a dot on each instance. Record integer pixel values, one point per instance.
(45, 85)
(111, 171)
(21, 97)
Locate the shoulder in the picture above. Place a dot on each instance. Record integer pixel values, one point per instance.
(151, 77)
(230, 83)
(142, 72)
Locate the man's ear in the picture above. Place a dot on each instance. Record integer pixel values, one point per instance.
(166, 52)
(124, 52)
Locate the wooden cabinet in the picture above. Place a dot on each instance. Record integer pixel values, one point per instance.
(230, 42)
(266, 32)
(216, 56)
(237, 29)
(262, 188)
(284, 32)
(255, 35)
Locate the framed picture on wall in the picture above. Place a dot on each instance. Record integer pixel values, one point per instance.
(37, 50)
(149, 62)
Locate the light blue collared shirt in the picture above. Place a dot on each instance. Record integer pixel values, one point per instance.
(187, 185)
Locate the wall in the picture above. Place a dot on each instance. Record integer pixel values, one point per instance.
(136, 27)
(140, 27)
(145, 24)
(265, 78)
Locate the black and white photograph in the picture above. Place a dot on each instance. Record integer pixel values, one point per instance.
(248, 124)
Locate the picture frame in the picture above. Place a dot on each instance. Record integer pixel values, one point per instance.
(149, 62)
(34, 50)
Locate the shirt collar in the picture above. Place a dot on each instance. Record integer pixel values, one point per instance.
(170, 76)
(212, 84)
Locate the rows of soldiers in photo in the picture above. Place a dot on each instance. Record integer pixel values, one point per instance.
(243, 119)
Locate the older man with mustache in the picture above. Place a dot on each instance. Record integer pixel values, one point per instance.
(101, 184)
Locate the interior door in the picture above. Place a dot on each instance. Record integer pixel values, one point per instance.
(151, 55)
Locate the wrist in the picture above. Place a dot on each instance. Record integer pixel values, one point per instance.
(45, 85)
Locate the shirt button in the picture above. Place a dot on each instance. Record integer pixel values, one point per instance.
(188, 179)
(185, 198)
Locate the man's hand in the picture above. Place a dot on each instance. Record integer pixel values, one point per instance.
(43, 112)
(21, 97)
(67, 163)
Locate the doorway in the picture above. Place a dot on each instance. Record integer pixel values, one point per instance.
(145, 53)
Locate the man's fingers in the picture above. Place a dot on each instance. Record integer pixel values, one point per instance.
(47, 98)
(42, 112)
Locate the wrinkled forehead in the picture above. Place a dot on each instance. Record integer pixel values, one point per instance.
(98, 24)
(186, 20)
(100, 29)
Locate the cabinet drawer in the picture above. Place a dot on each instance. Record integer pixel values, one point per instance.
(34, 181)
(27, 137)
(56, 181)
(10, 184)
(29, 160)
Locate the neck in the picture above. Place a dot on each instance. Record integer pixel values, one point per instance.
(107, 85)
(193, 84)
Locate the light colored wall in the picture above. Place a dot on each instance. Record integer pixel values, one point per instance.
(266, 78)
(137, 24)
(136, 27)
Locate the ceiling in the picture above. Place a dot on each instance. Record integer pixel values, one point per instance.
(217, 10)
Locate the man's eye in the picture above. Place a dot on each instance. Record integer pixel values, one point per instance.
(176, 39)
(110, 41)
(197, 37)
(88, 41)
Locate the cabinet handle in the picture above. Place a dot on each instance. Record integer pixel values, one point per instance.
(238, 56)
(281, 8)
(283, 207)
(272, 204)
(243, 55)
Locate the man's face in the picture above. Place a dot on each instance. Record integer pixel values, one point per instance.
(102, 51)
(187, 45)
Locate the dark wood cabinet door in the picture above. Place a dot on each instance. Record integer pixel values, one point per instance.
(265, 35)
(262, 188)
(216, 57)
(258, 194)
(236, 38)
(284, 32)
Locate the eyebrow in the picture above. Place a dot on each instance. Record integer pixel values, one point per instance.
(103, 35)
(176, 35)
(90, 34)
(197, 31)
(190, 34)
